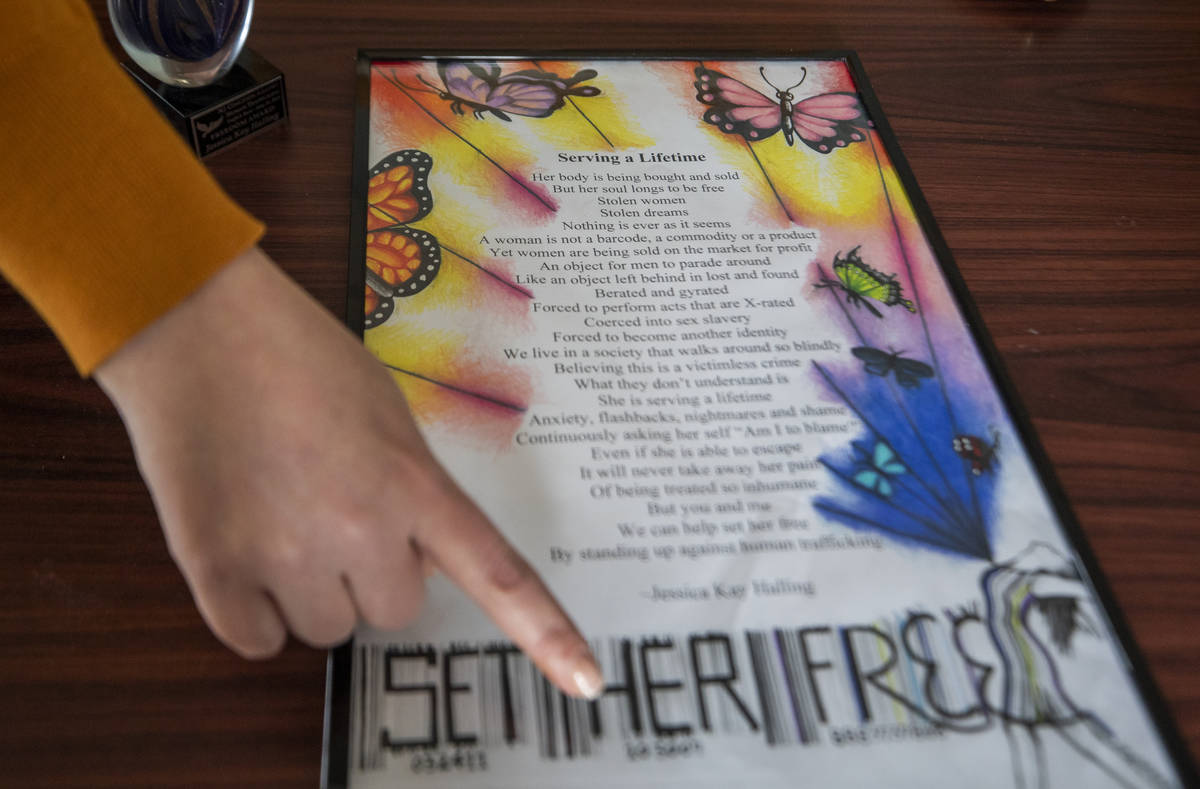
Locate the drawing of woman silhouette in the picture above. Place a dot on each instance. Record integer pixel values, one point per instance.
(1034, 606)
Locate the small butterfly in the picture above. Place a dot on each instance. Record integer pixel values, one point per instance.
(401, 260)
(480, 87)
(861, 282)
(823, 123)
(877, 467)
(977, 451)
(909, 372)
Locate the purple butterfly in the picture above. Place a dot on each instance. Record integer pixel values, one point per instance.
(482, 88)
(823, 122)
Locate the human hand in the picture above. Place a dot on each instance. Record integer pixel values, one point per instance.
(293, 487)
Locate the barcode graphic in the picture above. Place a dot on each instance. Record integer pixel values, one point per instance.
(781, 687)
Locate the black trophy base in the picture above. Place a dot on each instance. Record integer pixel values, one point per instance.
(247, 100)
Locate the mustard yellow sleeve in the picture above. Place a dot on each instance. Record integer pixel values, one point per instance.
(106, 218)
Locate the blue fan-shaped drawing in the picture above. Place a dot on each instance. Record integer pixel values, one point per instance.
(908, 476)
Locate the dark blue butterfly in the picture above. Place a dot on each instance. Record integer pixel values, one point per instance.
(908, 372)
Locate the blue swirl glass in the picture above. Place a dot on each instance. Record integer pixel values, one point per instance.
(182, 42)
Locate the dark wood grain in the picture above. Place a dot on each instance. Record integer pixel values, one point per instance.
(1058, 144)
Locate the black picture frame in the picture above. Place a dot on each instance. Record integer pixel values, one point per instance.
(335, 761)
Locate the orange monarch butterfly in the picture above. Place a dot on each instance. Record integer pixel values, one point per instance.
(400, 260)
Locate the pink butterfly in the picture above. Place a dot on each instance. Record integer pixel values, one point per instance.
(483, 89)
(823, 122)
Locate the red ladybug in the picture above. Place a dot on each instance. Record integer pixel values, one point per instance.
(977, 451)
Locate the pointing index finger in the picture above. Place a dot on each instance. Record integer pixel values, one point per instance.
(471, 552)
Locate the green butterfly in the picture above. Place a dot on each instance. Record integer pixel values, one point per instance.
(861, 282)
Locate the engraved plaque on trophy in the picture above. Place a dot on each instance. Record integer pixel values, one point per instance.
(192, 64)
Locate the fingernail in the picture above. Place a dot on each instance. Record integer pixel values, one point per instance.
(588, 678)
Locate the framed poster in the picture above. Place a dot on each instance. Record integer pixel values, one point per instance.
(685, 329)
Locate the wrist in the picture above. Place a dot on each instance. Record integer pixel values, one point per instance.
(189, 330)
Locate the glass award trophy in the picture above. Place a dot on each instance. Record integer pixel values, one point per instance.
(193, 66)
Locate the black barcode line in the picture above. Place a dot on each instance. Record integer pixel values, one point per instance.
(786, 690)
(359, 701)
(787, 645)
(378, 674)
(510, 707)
(546, 710)
(373, 687)
(767, 702)
(593, 710)
(568, 727)
(367, 704)
(370, 743)
(539, 711)
(522, 728)
(487, 679)
(787, 732)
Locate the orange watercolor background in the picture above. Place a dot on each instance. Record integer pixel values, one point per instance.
(478, 153)
(450, 332)
(596, 119)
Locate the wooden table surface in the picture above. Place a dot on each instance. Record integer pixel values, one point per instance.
(1058, 145)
